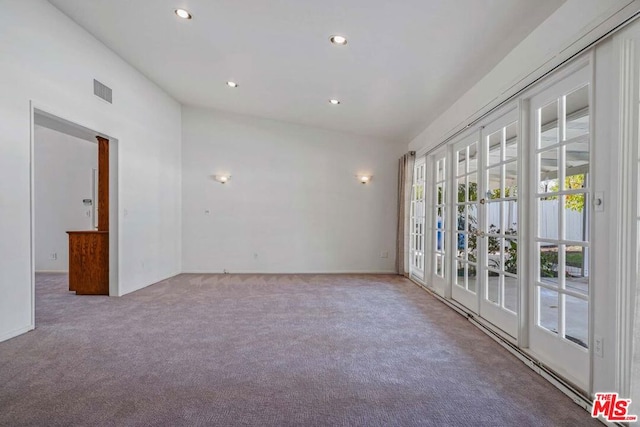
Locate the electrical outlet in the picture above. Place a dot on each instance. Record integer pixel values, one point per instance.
(598, 346)
(384, 254)
(53, 256)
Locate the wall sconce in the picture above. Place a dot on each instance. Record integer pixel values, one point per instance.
(222, 179)
(364, 179)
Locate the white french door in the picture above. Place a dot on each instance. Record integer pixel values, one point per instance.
(560, 191)
(438, 224)
(465, 287)
(499, 231)
(485, 174)
(476, 240)
(416, 264)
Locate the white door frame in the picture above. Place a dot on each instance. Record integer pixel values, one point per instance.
(114, 229)
(627, 49)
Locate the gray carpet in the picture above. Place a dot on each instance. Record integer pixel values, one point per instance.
(272, 350)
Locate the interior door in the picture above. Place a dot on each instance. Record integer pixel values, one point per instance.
(560, 192)
(498, 231)
(466, 209)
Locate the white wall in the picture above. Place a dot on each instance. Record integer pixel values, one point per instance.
(574, 24)
(293, 203)
(63, 178)
(48, 59)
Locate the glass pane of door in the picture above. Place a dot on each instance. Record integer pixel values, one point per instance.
(466, 207)
(439, 218)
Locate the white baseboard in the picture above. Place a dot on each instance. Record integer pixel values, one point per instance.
(16, 332)
(53, 271)
(292, 272)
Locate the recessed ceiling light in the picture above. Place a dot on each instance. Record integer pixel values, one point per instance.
(183, 14)
(339, 40)
(232, 84)
(334, 101)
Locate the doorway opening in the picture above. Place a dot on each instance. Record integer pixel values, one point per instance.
(66, 182)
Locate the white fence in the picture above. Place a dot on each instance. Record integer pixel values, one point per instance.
(548, 220)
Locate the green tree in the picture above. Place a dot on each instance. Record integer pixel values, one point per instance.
(471, 196)
(575, 202)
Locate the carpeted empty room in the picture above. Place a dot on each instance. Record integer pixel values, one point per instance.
(272, 350)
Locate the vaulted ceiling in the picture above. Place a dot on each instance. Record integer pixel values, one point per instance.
(405, 61)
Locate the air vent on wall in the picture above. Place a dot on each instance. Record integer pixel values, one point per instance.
(102, 91)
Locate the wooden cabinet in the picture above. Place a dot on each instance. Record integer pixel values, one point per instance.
(89, 249)
(89, 262)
